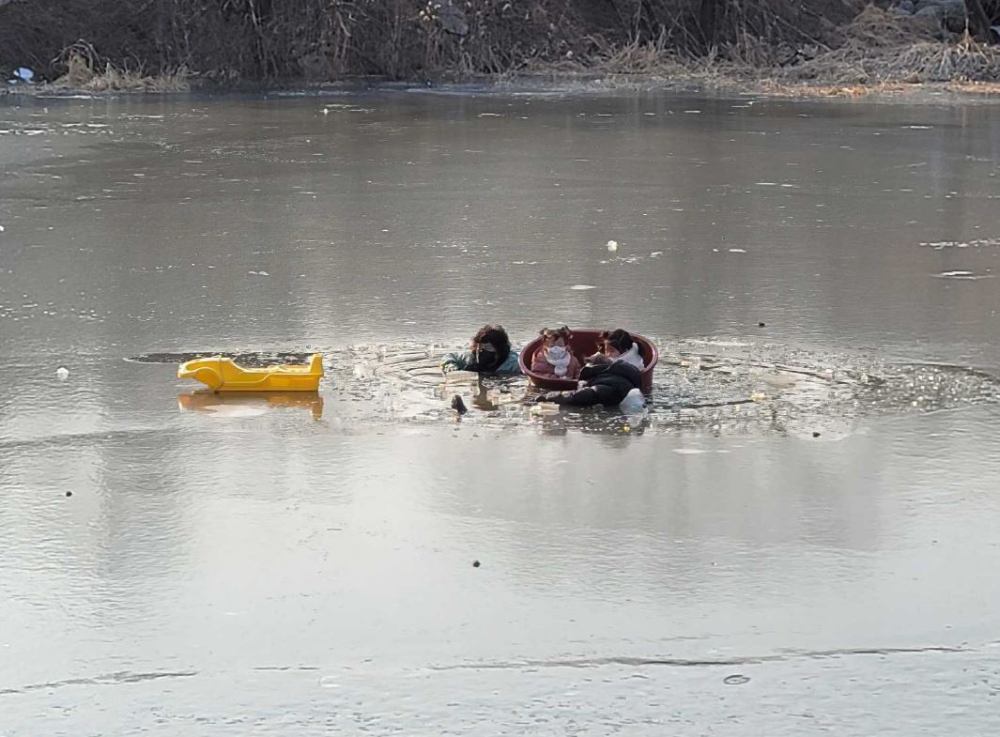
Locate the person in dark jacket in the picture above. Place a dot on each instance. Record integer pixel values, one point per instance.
(608, 380)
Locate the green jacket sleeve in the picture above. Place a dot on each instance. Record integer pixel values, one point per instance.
(457, 362)
(466, 362)
(510, 366)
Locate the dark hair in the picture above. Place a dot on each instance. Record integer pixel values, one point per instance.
(496, 336)
(564, 332)
(620, 340)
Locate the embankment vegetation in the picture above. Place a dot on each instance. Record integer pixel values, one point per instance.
(165, 44)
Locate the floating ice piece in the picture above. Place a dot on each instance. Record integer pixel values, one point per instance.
(582, 287)
(972, 276)
(62, 373)
(612, 246)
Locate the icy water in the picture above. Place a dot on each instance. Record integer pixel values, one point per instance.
(798, 537)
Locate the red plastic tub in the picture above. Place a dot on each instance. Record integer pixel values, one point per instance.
(585, 343)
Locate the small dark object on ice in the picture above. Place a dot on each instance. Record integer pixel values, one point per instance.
(736, 680)
(761, 325)
(458, 405)
(69, 493)
(815, 434)
(476, 564)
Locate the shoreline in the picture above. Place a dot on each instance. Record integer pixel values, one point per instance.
(740, 83)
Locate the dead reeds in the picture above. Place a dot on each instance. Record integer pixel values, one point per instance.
(86, 71)
(830, 45)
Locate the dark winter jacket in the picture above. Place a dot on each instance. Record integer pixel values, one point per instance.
(607, 384)
(621, 376)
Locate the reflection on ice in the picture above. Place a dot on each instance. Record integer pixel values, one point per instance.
(249, 404)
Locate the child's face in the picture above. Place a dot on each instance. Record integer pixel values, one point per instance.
(554, 340)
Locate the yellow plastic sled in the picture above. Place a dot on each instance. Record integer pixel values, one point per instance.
(224, 375)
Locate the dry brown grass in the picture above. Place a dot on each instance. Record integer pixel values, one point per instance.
(882, 48)
(881, 54)
(85, 72)
(124, 80)
(779, 89)
(974, 88)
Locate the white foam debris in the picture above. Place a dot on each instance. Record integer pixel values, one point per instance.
(969, 275)
(975, 243)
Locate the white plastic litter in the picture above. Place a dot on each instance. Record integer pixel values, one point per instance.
(62, 373)
(633, 402)
(612, 246)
